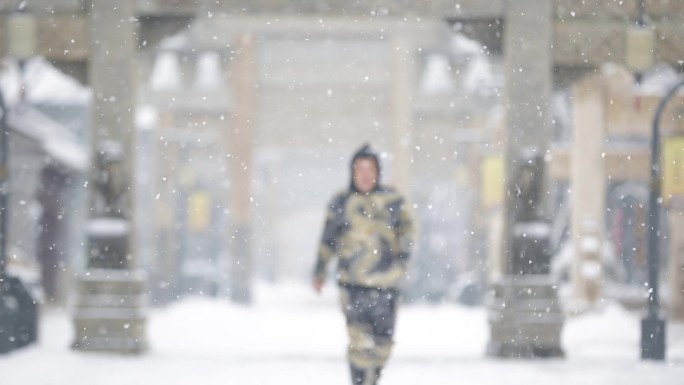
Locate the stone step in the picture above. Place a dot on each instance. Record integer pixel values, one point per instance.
(111, 282)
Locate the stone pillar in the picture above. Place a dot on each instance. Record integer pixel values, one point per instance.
(109, 314)
(403, 90)
(528, 65)
(588, 181)
(676, 260)
(525, 316)
(245, 86)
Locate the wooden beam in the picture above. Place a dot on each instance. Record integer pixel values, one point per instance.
(586, 34)
(162, 8)
(622, 164)
(622, 10)
(63, 38)
(583, 43)
(592, 42)
(325, 8)
(44, 7)
(564, 9)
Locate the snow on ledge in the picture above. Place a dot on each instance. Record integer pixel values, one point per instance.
(108, 227)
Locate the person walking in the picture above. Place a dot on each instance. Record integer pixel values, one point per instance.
(369, 231)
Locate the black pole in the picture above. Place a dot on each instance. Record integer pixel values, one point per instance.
(653, 325)
(7, 324)
(641, 23)
(641, 20)
(4, 136)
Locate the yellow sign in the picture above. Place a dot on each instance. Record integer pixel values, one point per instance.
(673, 167)
(492, 181)
(199, 211)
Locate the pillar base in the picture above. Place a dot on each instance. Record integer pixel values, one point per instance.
(110, 314)
(525, 318)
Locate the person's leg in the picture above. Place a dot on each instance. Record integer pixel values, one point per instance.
(360, 351)
(384, 315)
(363, 376)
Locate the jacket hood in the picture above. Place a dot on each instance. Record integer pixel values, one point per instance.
(365, 152)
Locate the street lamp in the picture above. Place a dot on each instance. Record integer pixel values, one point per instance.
(21, 42)
(653, 325)
(640, 45)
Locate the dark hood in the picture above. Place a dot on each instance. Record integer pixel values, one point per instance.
(365, 152)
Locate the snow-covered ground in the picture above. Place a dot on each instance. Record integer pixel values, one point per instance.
(291, 336)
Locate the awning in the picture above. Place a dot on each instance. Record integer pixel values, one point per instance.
(58, 142)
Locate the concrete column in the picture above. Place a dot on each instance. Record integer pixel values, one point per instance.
(588, 181)
(403, 89)
(528, 64)
(245, 86)
(676, 260)
(109, 314)
(525, 315)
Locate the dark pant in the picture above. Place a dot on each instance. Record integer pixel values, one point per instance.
(371, 316)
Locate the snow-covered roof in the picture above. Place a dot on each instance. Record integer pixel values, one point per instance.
(655, 81)
(166, 73)
(658, 79)
(209, 74)
(460, 44)
(57, 141)
(436, 78)
(44, 83)
(471, 61)
(178, 42)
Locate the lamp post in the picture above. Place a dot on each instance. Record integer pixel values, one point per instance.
(653, 325)
(17, 317)
(21, 43)
(7, 329)
(640, 49)
(4, 131)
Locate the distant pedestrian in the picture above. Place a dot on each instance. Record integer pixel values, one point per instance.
(368, 229)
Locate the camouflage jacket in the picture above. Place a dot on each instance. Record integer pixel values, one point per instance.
(370, 235)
